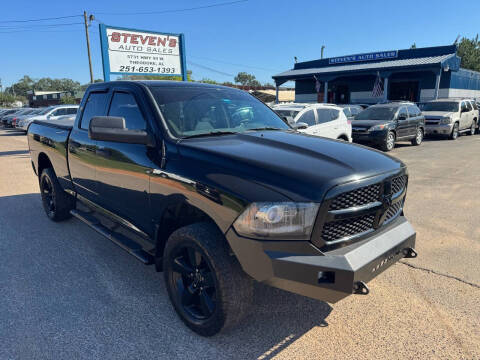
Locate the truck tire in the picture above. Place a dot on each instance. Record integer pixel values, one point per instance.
(473, 128)
(418, 139)
(206, 285)
(56, 202)
(454, 133)
(389, 142)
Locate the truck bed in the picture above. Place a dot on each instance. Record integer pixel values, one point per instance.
(50, 139)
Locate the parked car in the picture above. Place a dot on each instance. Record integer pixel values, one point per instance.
(6, 114)
(384, 124)
(7, 120)
(20, 118)
(11, 122)
(450, 117)
(214, 188)
(51, 113)
(351, 110)
(319, 119)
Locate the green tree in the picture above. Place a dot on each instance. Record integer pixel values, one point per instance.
(469, 51)
(26, 84)
(69, 99)
(208, 81)
(246, 79)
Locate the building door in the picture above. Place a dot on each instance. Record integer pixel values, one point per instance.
(404, 90)
(341, 94)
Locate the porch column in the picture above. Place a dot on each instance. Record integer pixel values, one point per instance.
(437, 84)
(385, 89)
(276, 93)
(325, 91)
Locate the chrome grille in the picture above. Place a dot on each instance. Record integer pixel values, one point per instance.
(338, 230)
(358, 197)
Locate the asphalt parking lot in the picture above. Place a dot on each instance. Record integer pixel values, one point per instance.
(68, 293)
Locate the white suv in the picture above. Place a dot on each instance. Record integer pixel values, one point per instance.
(327, 120)
(50, 113)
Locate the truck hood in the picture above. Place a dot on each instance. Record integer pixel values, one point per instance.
(299, 166)
(436, 114)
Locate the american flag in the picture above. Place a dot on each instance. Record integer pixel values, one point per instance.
(377, 87)
(317, 84)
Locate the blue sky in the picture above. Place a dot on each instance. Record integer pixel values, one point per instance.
(256, 36)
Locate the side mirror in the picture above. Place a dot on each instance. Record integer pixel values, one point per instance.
(300, 125)
(112, 128)
(402, 118)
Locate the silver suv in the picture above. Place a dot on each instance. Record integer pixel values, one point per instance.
(450, 117)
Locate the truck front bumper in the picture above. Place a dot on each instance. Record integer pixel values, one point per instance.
(300, 267)
(440, 129)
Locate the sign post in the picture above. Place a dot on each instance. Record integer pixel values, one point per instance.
(140, 52)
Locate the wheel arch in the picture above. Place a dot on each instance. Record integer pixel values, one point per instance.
(43, 162)
(176, 214)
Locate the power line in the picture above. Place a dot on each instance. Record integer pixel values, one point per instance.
(234, 64)
(172, 11)
(13, 30)
(209, 68)
(37, 26)
(44, 19)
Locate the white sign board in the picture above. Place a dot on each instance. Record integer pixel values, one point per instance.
(127, 51)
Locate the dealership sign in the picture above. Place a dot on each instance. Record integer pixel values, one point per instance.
(364, 57)
(139, 52)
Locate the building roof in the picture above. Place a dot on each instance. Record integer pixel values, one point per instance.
(430, 60)
(440, 56)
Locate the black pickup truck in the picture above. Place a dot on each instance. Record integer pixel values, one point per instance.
(212, 187)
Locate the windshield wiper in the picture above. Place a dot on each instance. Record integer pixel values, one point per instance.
(264, 128)
(211, 133)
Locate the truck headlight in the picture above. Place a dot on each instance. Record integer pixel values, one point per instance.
(282, 220)
(377, 127)
(445, 120)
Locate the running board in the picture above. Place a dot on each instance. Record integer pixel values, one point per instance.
(124, 242)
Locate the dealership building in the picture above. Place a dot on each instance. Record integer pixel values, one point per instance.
(416, 75)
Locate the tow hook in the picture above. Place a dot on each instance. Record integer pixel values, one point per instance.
(410, 253)
(360, 288)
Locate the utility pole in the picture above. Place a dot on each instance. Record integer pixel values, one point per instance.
(323, 48)
(87, 20)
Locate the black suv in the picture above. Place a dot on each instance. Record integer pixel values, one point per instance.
(384, 124)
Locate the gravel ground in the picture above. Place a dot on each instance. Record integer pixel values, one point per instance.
(68, 293)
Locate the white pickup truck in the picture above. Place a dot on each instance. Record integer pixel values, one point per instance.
(450, 117)
(327, 120)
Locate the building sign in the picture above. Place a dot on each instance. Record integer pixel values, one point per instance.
(139, 52)
(364, 57)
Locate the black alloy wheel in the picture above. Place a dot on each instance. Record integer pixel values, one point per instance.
(194, 283)
(48, 196)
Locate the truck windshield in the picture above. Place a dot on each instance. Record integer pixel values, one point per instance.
(197, 110)
(441, 106)
(377, 113)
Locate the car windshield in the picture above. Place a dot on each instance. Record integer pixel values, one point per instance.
(201, 111)
(441, 106)
(287, 113)
(45, 110)
(377, 113)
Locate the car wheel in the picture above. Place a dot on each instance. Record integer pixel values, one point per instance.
(389, 143)
(206, 285)
(56, 202)
(472, 128)
(454, 133)
(418, 137)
